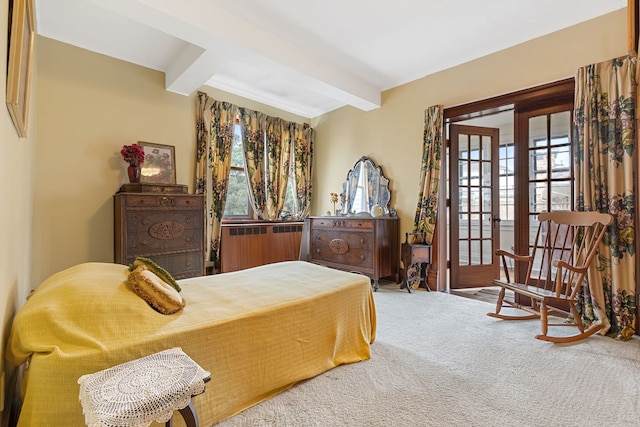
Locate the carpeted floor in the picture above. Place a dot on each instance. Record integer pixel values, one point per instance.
(438, 360)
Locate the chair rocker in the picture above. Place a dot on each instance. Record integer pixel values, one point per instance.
(565, 245)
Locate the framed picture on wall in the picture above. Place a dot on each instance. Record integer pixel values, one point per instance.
(21, 36)
(159, 166)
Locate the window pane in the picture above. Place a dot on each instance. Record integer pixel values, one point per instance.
(237, 155)
(237, 195)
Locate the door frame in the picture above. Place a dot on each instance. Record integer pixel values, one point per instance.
(559, 92)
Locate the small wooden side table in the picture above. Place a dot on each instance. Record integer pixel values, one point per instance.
(415, 253)
(144, 390)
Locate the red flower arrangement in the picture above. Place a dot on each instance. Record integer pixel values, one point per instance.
(133, 154)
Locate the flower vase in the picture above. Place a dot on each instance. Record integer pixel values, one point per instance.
(134, 173)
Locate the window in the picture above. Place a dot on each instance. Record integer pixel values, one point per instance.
(238, 205)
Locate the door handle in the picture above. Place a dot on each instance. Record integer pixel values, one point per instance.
(496, 221)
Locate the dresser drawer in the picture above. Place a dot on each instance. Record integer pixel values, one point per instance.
(342, 224)
(163, 201)
(352, 239)
(164, 231)
(343, 247)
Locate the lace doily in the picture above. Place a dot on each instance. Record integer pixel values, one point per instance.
(139, 392)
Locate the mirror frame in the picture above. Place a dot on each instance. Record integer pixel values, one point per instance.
(382, 191)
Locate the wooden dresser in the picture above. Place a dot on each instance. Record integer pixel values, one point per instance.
(366, 245)
(163, 223)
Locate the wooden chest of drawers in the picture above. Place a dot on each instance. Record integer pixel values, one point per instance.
(362, 244)
(167, 228)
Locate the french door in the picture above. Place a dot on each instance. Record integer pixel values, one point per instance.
(498, 188)
(475, 224)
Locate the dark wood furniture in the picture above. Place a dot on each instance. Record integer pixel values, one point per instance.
(245, 245)
(365, 245)
(163, 223)
(415, 253)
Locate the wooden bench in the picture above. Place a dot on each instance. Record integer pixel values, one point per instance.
(565, 245)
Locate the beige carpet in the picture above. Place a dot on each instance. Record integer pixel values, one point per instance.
(438, 360)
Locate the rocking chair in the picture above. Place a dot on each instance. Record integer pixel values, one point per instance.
(565, 245)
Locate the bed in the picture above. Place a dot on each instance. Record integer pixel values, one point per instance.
(257, 331)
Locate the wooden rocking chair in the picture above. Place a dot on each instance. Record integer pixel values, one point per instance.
(565, 245)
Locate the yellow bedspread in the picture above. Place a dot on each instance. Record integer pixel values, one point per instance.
(258, 332)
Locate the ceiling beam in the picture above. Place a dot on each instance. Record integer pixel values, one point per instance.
(204, 25)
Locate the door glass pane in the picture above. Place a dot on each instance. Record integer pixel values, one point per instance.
(538, 131)
(475, 252)
(463, 146)
(475, 147)
(538, 193)
(474, 199)
(561, 162)
(463, 227)
(486, 174)
(486, 200)
(486, 252)
(486, 148)
(463, 173)
(538, 164)
(464, 200)
(463, 252)
(561, 195)
(474, 226)
(560, 127)
(486, 226)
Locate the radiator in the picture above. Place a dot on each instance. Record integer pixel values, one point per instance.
(250, 245)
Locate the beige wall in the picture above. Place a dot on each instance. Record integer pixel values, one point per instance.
(16, 193)
(392, 135)
(89, 106)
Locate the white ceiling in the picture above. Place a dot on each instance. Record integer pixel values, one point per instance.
(305, 57)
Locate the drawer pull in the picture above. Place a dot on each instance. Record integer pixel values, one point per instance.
(362, 257)
(317, 251)
(188, 263)
(188, 239)
(144, 243)
(167, 201)
(362, 240)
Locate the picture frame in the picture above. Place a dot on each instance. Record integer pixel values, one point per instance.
(159, 166)
(19, 62)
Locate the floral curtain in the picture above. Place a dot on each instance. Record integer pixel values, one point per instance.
(427, 210)
(214, 138)
(302, 138)
(277, 165)
(605, 156)
(253, 125)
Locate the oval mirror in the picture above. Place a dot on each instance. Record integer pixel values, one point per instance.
(365, 187)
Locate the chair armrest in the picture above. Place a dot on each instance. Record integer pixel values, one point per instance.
(563, 264)
(526, 258)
